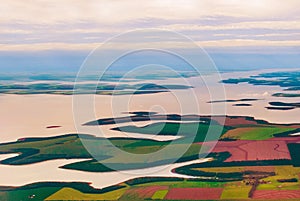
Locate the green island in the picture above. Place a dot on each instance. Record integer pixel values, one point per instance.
(287, 80)
(287, 95)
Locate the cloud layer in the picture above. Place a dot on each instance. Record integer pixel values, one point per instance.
(79, 24)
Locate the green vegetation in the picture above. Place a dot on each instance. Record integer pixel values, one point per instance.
(33, 150)
(42, 190)
(31, 194)
(243, 129)
(294, 149)
(236, 190)
(262, 133)
(197, 130)
(221, 176)
(134, 163)
(72, 194)
(287, 133)
(197, 183)
(286, 95)
(70, 146)
(289, 80)
(159, 195)
(281, 173)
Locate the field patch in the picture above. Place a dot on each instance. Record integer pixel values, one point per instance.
(159, 195)
(255, 133)
(282, 173)
(276, 194)
(246, 150)
(72, 194)
(194, 193)
(138, 193)
(237, 190)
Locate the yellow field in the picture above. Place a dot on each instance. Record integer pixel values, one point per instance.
(221, 169)
(72, 194)
(236, 190)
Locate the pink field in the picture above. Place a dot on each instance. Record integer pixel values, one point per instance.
(246, 150)
(276, 194)
(194, 194)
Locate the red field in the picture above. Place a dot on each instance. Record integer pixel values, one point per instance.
(143, 192)
(194, 193)
(276, 194)
(246, 150)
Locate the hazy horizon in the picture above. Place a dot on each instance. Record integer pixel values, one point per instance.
(238, 35)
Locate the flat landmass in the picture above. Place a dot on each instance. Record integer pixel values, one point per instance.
(252, 159)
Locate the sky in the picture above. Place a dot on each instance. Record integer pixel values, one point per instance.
(58, 34)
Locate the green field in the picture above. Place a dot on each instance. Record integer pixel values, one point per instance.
(257, 132)
(236, 190)
(159, 195)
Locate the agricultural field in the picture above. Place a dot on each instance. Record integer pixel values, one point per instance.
(236, 190)
(194, 194)
(255, 133)
(158, 188)
(72, 194)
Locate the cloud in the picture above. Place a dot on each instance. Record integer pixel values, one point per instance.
(107, 11)
(275, 25)
(71, 24)
(160, 45)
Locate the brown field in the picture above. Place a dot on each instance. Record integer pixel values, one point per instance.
(194, 194)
